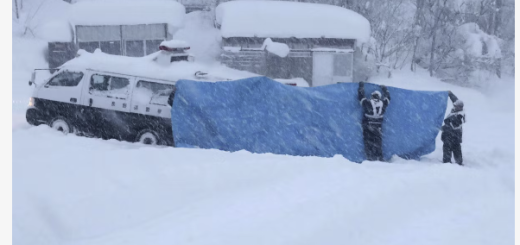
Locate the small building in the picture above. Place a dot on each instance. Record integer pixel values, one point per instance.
(321, 39)
(129, 28)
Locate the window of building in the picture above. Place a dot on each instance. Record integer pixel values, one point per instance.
(111, 47)
(134, 48)
(89, 46)
(152, 46)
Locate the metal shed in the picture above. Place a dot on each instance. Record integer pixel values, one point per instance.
(321, 39)
(129, 28)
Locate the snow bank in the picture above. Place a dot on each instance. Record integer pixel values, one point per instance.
(175, 44)
(38, 12)
(79, 191)
(260, 115)
(200, 33)
(282, 19)
(280, 49)
(28, 53)
(56, 31)
(146, 67)
(118, 12)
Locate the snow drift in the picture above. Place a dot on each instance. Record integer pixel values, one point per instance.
(260, 115)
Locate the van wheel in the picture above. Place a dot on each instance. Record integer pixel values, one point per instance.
(61, 125)
(148, 137)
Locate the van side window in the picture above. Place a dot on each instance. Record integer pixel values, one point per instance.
(152, 93)
(108, 85)
(66, 79)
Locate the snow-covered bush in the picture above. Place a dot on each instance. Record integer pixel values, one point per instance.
(365, 61)
(475, 57)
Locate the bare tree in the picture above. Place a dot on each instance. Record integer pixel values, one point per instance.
(16, 9)
(416, 31)
(28, 25)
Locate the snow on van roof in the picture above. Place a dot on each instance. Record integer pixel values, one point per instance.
(280, 19)
(118, 12)
(146, 67)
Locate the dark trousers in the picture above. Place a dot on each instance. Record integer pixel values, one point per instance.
(449, 148)
(373, 139)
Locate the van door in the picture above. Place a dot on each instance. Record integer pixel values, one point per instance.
(61, 95)
(64, 87)
(152, 111)
(151, 98)
(107, 102)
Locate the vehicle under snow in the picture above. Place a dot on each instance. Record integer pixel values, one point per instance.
(119, 97)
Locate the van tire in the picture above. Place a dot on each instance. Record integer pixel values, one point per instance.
(148, 137)
(61, 124)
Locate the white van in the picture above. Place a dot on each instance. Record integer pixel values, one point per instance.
(115, 97)
(104, 104)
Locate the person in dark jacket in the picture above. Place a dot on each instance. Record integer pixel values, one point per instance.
(373, 112)
(452, 131)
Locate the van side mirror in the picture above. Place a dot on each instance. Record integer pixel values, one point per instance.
(30, 83)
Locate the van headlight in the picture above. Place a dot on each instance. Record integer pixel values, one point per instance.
(31, 102)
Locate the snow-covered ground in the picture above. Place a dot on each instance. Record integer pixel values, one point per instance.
(77, 190)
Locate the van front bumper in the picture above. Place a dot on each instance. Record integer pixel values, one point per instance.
(34, 116)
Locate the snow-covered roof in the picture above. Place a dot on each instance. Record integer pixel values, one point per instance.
(146, 67)
(119, 12)
(282, 19)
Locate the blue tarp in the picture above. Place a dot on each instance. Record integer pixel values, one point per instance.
(261, 115)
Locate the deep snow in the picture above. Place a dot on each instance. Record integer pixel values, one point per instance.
(77, 190)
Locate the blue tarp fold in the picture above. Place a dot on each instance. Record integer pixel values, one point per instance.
(261, 115)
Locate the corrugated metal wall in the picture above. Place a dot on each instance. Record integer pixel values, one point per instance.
(129, 40)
